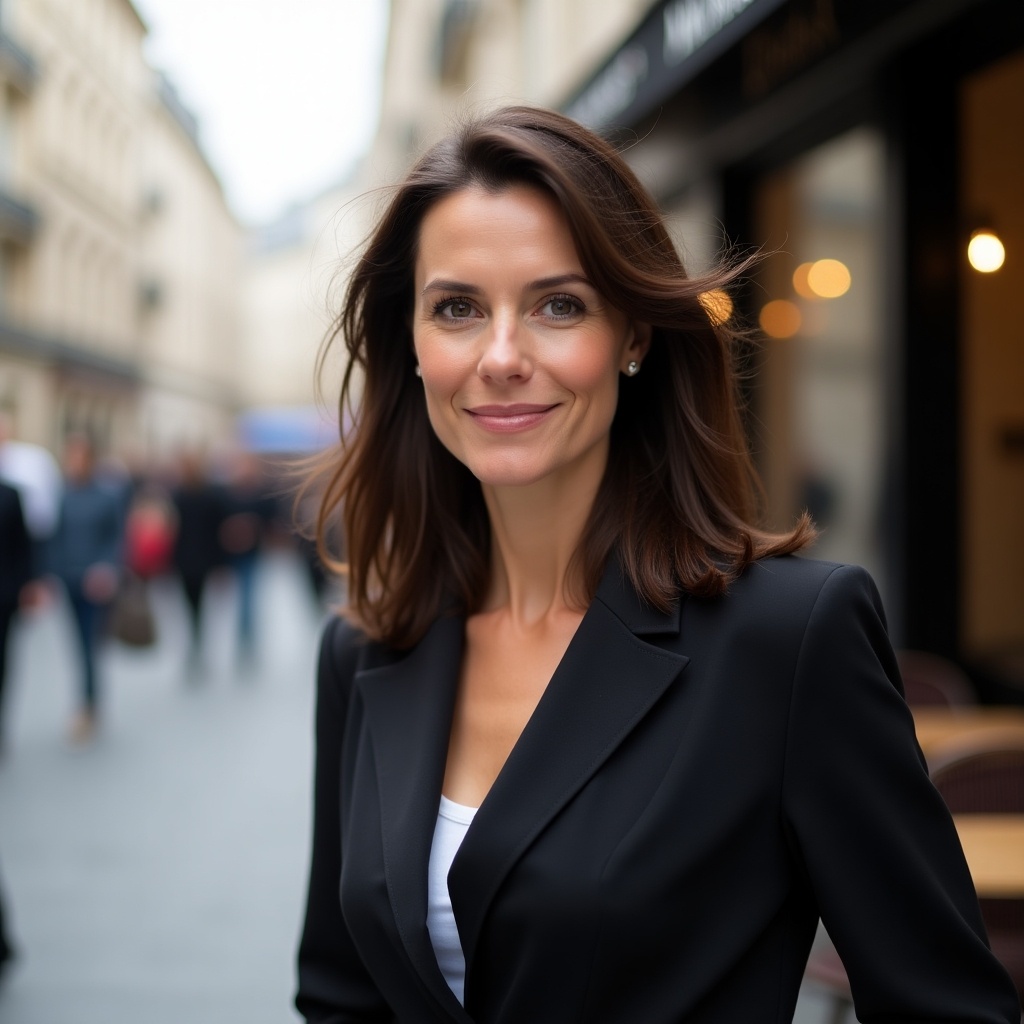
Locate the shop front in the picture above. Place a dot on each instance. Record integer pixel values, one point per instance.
(862, 147)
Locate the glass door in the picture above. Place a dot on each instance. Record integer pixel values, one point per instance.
(819, 398)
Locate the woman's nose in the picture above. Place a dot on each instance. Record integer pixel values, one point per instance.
(504, 355)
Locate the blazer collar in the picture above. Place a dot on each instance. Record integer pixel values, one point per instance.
(605, 684)
(617, 592)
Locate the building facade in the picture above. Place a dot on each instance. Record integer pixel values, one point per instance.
(113, 320)
(447, 57)
(861, 147)
(190, 328)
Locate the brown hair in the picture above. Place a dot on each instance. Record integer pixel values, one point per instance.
(679, 496)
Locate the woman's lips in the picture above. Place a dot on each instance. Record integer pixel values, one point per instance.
(508, 419)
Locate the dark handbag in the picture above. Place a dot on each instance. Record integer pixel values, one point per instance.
(131, 617)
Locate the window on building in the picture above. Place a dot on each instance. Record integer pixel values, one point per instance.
(819, 401)
(992, 367)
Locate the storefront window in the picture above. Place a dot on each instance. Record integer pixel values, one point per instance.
(818, 403)
(992, 368)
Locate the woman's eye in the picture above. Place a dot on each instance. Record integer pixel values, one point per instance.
(562, 306)
(456, 309)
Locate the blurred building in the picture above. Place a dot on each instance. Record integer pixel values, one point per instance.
(189, 288)
(445, 57)
(862, 145)
(295, 273)
(118, 256)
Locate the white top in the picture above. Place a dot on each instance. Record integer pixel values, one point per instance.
(453, 821)
(36, 474)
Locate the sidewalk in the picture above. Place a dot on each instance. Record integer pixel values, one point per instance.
(158, 875)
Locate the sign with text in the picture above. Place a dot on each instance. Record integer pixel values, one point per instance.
(673, 43)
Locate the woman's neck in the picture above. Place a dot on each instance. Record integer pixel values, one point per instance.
(535, 532)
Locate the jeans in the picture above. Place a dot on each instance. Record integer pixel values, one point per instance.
(88, 617)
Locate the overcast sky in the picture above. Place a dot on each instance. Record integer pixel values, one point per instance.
(286, 91)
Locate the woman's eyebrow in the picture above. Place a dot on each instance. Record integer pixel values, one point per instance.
(557, 281)
(443, 285)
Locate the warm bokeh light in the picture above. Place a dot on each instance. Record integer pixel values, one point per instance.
(828, 279)
(985, 251)
(780, 318)
(718, 305)
(800, 284)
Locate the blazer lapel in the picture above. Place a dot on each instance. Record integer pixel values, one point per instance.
(409, 707)
(607, 681)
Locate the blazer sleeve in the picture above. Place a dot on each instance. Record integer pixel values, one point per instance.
(334, 986)
(876, 840)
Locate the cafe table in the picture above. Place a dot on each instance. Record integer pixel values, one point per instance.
(993, 843)
(940, 727)
(994, 847)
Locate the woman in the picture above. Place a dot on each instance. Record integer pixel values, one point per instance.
(676, 744)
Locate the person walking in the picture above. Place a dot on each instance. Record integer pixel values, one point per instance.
(200, 507)
(36, 474)
(15, 572)
(85, 554)
(7, 951)
(250, 512)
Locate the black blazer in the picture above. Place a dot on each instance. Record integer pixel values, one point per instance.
(692, 791)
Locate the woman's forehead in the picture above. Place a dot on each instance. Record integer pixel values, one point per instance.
(518, 226)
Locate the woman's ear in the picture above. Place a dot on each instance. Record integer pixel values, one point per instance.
(638, 345)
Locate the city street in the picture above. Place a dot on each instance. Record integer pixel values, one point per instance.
(158, 874)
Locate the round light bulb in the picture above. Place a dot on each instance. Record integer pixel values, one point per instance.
(985, 252)
(800, 283)
(780, 318)
(828, 279)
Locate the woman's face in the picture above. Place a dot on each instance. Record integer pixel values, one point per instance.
(520, 355)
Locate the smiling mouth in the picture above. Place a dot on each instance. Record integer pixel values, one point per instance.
(508, 419)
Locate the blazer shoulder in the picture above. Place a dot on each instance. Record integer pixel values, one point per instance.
(795, 576)
(345, 650)
(784, 591)
(342, 648)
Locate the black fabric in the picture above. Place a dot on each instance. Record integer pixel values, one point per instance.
(201, 511)
(692, 791)
(15, 546)
(6, 949)
(15, 571)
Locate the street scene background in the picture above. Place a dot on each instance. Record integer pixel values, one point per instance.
(183, 184)
(158, 875)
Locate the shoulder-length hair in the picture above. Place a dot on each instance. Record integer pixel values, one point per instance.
(679, 498)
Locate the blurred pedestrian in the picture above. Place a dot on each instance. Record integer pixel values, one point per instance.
(15, 572)
(200, 506)
(34, 471)
(6, 949)
(317, 574)
(251, 510)
(85, 553)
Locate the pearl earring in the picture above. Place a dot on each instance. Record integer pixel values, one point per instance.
(418, 371)
(632, 368)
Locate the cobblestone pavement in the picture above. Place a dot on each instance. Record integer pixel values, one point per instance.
(157, 876)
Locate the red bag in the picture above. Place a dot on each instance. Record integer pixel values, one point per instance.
(149, 541)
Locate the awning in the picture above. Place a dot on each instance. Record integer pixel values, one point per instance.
(286, 430)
